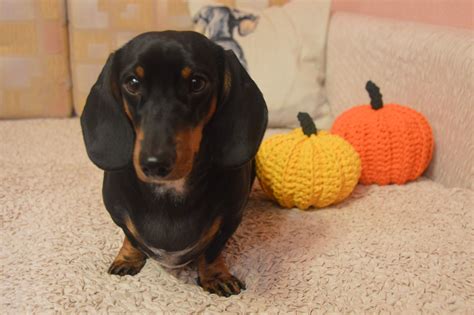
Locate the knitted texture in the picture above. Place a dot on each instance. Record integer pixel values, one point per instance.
(395, 143)
(301, 171)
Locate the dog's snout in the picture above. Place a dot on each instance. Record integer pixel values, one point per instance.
(157, 165)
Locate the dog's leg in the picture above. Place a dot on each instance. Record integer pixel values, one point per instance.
(214, 277)
(129, 260)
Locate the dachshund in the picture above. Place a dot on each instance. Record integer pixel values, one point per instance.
(219, 22)
(175, 121)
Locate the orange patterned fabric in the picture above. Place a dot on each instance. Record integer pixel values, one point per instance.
(34, 64)
(98, 27)
(395, 143)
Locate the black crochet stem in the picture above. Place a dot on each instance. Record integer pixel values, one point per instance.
(375, 96)
(306, 122)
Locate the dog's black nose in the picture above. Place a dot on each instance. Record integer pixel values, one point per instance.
(154, 166)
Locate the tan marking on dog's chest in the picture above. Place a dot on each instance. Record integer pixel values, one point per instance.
(172, 259)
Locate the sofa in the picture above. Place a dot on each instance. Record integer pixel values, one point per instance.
(390, 249)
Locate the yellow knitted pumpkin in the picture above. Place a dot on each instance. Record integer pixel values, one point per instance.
(307, 167)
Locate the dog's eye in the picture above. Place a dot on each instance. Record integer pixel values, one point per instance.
(133, 85)
(197, 84)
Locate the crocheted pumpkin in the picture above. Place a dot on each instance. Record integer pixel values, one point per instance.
(395, 143)
(307, 167)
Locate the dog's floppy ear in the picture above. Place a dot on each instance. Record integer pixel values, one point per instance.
(240, 121)
(107, 132)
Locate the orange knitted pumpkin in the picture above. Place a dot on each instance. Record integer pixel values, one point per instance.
(395, 143)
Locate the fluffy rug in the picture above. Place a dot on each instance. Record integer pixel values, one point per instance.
(386, 249)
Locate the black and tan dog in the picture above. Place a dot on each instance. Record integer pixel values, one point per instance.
(175, 121)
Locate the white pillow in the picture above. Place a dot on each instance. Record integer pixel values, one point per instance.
(282, 48)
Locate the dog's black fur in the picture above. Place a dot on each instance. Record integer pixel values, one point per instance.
(175, 121)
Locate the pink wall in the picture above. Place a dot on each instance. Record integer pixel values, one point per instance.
(455, 13)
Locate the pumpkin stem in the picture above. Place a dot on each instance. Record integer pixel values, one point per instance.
(375, 96)
(307, 124)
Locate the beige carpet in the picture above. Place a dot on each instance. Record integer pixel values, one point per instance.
(396, 248)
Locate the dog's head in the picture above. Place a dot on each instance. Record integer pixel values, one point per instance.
(159, 95)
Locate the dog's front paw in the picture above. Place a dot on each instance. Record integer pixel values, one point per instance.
(222, 284)
(129, 260)
(123, 267)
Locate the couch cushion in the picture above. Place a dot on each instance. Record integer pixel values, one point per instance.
(428, 68)
(386, 249)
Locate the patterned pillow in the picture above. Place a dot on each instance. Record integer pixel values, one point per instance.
(34, 68)
(282, 48)
(98, 27)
